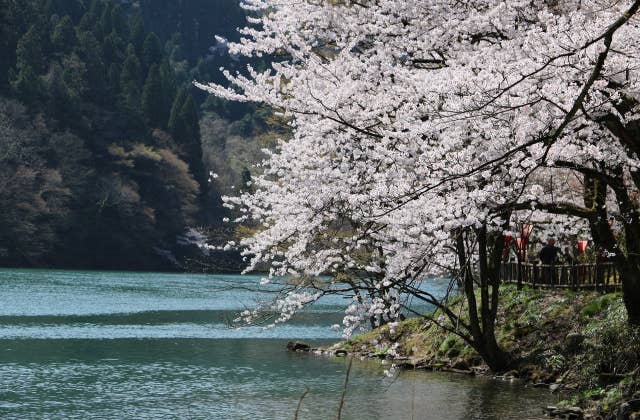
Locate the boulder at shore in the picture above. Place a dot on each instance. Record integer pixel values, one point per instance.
(298, 346)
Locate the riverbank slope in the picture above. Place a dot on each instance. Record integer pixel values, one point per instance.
(575, 343)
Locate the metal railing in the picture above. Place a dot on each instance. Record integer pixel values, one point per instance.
(598, 276)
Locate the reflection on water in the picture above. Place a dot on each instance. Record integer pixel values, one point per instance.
(144, 345)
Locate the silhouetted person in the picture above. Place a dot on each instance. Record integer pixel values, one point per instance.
(549, 256)
(549, 253)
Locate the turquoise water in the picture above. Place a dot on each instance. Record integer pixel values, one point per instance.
(148, 345)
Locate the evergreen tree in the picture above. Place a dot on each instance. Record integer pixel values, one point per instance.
(90, 52)
(152, 99)
(112, 47)
(113, 79)
(95, 9)
(118, 22)
(168, 81)
(106, 22)
(64, 35)
(189, 114)
(151, 50)
(86, 24)
(175, 124)
(130, 81)
(75, 76)
(185, 128)
(27, 84)
(137, 32)
(193, 145)
(30, 52)
(59, 97)
(13, 24)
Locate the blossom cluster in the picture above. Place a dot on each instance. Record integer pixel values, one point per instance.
(414, 119)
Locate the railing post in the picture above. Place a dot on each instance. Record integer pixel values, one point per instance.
(564, 275)
(574, 277)
(598, 274)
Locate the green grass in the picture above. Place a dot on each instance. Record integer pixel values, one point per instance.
(598, 305)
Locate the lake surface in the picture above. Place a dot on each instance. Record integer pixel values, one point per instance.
(83, 345)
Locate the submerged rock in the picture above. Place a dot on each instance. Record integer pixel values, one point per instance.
(571, 413)
(461, 364)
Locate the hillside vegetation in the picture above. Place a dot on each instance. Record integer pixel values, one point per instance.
(101, 159)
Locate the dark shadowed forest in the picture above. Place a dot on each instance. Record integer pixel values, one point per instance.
(105, 145)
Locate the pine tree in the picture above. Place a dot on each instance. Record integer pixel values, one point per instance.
(168, 81)
(75, 75)
(189, 114)
(30, 52)
(106, 23)
(185, 129)
(64, 35)
(90, 52)
(59, 96)
(118, 22)
(130, 81)
(113, 77)
(95, 9)
(151, 50)
(152, 99)
(27, 84)
(112, 47)
(137, 32)
(176, 123)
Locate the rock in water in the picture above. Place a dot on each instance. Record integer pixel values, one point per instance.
(564, 412)
(298, 346)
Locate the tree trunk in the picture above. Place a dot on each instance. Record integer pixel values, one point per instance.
(482, 318)
(630, 277)
(493, 355)
(627, 261)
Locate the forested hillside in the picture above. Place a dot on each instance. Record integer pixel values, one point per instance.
(101, 163)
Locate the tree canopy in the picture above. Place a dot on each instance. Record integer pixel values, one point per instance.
(424, 132)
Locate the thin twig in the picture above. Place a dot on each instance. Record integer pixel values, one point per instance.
(304, 394)
(344, 389)
(413, 394)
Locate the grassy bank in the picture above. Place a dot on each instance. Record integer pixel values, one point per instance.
(575, 343)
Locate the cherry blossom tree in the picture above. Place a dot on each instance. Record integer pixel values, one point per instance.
(421, 129)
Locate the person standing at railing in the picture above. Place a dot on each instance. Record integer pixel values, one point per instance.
(549, 257)
(549, 253)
